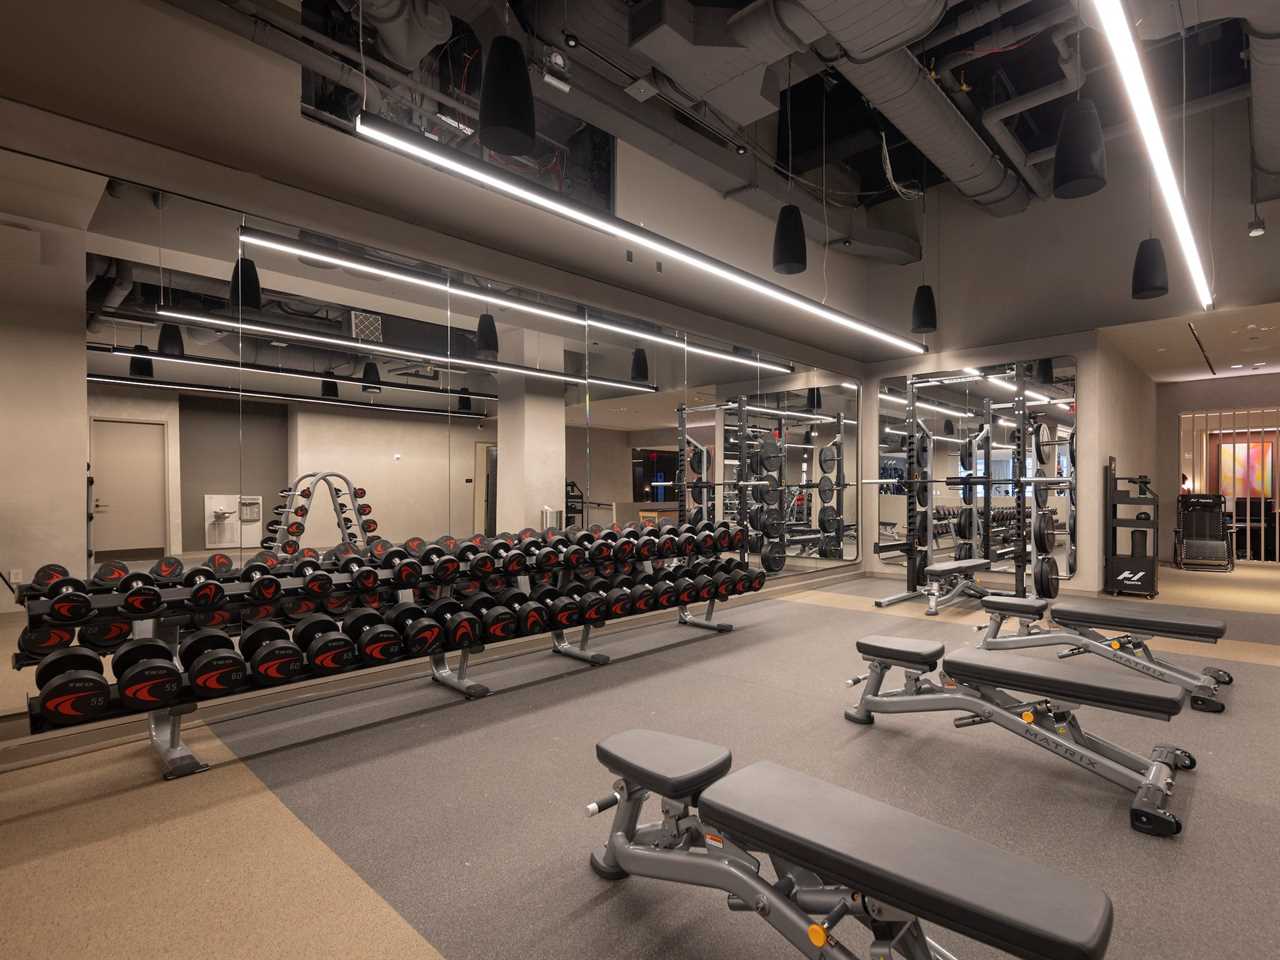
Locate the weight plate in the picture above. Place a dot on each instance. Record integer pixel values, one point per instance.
(697, 460)
(103, 634)
(698, 492)
(1071, 493)
(963, 551)
(964, 526)
(1071, 527)
(1043, 533)
(1071, 561)
(48, 574)
(922, 528)
(1041, 440)
(827, 458)
(921, 487)
(770, 452)
(922, 450)
(826, 488)
(110, 573)
(754, 467)
(966, 455)
(1041, 492)
(37, 641)
(1071, 447)
(773, 556)
(1045, 573)
(771, 492)
(772, 524)
(828, 520)
(966, 494)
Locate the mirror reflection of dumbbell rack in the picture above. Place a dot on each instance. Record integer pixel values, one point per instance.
(291, 514)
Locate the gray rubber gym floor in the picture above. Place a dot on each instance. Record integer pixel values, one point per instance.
(467, 817)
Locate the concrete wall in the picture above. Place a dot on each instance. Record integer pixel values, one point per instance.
(415, 469)
(230, 448)
(44, 431)
(1127, 403)
(152, 406)
(1175, 399)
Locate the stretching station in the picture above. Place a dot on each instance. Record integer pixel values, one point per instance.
(835, 854)
(974, 682)
(1080, 622)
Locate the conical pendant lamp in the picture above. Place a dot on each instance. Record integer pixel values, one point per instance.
(924, 311)
(789, 254)
(1080, 160)
(1150, 273)
(506, 100)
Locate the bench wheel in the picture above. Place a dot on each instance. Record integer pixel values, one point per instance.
(1184, 760)
(1157, 823)
(1220, 675)
(1207, 704)
(603, 871)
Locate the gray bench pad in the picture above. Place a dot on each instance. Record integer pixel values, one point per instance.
(1138, 618)
(669, 765)
(1018, 606)
(949, 568)
(1080, 680)
(926, 653)
(940, 875)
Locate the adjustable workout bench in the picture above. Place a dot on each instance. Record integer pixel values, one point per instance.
(1082, 619)
(974, 681)
(945, 583)
(836, 854)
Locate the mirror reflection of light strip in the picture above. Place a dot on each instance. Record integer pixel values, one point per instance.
(929, 406)
(296, 248)
(296, 374)
(903, 433)
(261, 395)
(407, 142)
(362, 347)
(792, 414)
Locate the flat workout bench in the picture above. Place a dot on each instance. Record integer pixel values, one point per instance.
(945, 582)
(975, 682)
(1082, 619)
(836, 854)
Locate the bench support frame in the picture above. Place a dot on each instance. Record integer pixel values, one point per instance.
(679, 849)
(1130, 650)
(1052, 726)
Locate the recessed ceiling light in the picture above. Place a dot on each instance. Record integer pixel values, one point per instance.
(1236, 366)
(1261, 363)
(1161, 349)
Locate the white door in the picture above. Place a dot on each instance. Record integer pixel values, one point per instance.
(128, 467)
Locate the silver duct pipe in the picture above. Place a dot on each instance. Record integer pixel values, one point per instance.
(967, 22)
(900, 89)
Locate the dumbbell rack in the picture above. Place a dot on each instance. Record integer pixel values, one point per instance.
(304, 489)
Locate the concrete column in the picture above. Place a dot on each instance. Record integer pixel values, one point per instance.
(45, 429)
(531, 430)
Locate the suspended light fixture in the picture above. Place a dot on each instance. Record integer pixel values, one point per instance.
(924, 311)
(813, 398)
(808, 437)
(949, 428)
(1080, 159)
(1044, 372)
(329, 389)
(506, 100)
(141, 366)
(1257, 226)
(372, 382)
(789, 253)
(487, 337)
(246, 291)
(639, 367)
(171, 340)
(464, 401)
(1150, 273)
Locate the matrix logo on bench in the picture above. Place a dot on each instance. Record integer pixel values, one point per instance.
(1130, 577)
(1058, 747)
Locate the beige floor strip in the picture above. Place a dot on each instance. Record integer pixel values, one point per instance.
(98, 857)
(1241, 651)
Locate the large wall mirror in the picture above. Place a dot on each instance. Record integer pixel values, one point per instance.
(941, 495)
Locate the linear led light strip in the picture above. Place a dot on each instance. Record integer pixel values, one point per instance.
(361, 346)
(927, 406)
(270, 241)
(405, 142)
(296, 374)
(260, 395)
(903, 433)
(1115, 24)
(793, 414)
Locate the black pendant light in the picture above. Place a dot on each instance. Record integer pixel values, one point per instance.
(924, 311)
(789, 253)
(372, 381)
(813, 398)
(948, 428)
(141, 366)
(1080, 160)
(171, 341)
(1150, 273)
(464, 401)
(246, 291)
(1044, 372)
(329, 389)
(506, 100)
(808, 437)
(639, 367)
(487, 336)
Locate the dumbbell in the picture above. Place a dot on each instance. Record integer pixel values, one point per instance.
(315, 581)
(422, 635)
(146, 676)
(270, 653)
(665, 594)
(564, 609)
(497, 621)
(214, 668)
(264, 587)
(109, 574)
(462, 629)
(639, 596)
(475, 561)
(647, 547)
(327, 648)
(140, 596)
(531, 616)
(598, 549)
(593, 607)
(438, 565)
(571, 555)
(364, 578)
(376, 640)
(511, 560)
(206, 591)
(757, 578)
(406, 572)
(69, 600)
(72, 686)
